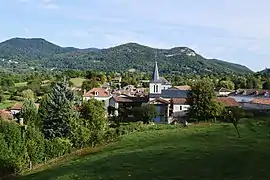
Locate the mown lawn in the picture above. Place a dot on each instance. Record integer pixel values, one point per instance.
(193, 153)
(77, 81)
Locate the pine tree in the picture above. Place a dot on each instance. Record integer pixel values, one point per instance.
(57, 111)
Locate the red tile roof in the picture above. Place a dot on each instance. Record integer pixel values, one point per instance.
(261, 101)
(101, 92)
(5, 115)
(229, 102)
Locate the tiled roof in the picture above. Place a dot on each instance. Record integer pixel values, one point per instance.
(261, 101)
(178, 100)
(18, 106)
(5, 115)
(229, 102)
(130, 99)
(170, 93)
(185, 87)
(101, 92)
(159, 100)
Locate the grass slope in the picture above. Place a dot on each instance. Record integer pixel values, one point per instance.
(196, 152)
(77, 81)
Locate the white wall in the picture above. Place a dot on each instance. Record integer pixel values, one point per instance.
(14, 111)
(151, 88)
(179, 110)
(99, 98)
(223, 93)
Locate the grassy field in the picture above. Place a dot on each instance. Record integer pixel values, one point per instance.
(20, 84)
(77, 81)
(7, 104)
(193, 153)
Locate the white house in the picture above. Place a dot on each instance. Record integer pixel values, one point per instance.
(179, 107)
(100, 94)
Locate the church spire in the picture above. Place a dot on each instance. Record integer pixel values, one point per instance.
(155, 75)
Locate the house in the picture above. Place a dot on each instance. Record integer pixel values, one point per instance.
(179, 107)
(100, 94)
(162, 109)
(248, 95)
(118, 103)
(16, 108)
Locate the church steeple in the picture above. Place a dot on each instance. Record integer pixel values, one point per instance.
(155, 75)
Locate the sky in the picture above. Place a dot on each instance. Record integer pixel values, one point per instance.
(232, 30)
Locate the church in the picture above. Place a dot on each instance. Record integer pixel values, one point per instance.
(170, 101)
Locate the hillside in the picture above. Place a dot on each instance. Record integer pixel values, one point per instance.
(193, 153)
(23, 54)
(265, 71)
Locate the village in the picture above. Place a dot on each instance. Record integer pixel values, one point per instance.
(170, 101)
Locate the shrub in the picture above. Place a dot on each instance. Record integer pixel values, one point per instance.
(13, 152)
(35, 145)
(57, 147)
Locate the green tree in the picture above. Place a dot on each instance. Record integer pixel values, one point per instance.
(145, 113)
(29, 112)
(202, 101)
(226, 84)
(58, 111)
(89, 84)
(2, 97)
(28, 94)
(266, 84)
(94, 112)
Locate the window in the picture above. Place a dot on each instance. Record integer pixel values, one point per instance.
(156, 88)
(181, 108)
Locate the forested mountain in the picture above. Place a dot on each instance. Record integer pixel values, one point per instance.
(19, 54)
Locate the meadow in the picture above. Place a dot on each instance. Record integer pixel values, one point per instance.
(203, 151)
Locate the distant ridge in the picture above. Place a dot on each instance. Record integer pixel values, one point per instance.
(39, 53)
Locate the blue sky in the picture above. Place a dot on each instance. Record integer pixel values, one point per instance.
(232, 30)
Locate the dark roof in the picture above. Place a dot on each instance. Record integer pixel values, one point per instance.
(170, 93)
(155, 75)
(156, 78)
